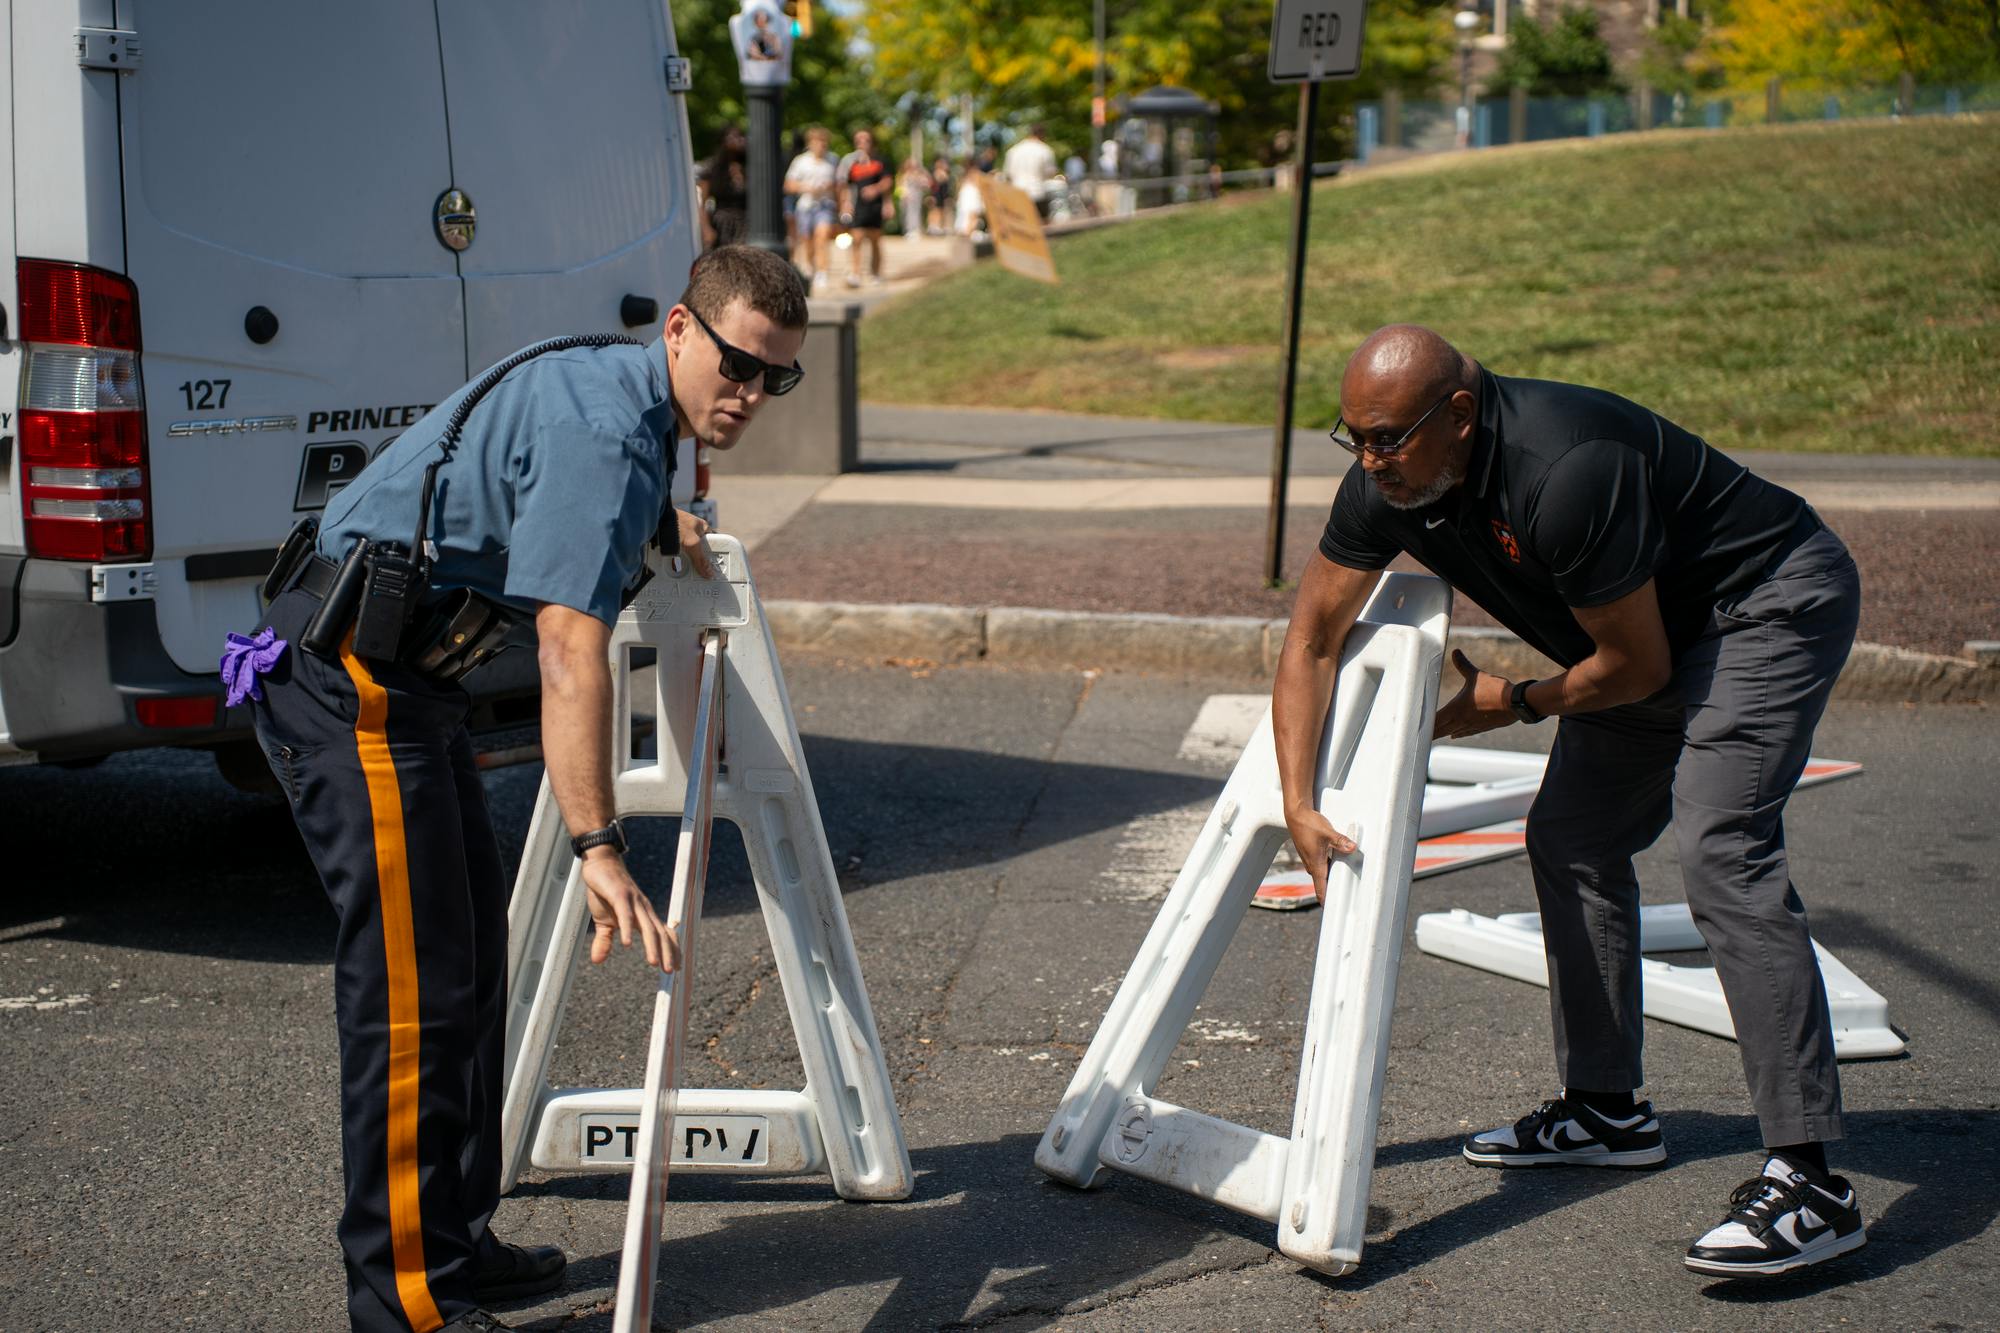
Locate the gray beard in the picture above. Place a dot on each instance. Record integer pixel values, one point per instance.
(1440, 487)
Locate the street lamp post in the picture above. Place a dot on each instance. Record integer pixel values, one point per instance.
(1465, 20)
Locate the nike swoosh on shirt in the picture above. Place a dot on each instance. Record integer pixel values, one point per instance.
(1432, 522)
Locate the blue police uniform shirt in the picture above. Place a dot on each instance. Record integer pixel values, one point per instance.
(556, 486)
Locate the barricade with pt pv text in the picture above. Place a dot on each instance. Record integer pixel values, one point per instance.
(728, 748)
(1313, 1186)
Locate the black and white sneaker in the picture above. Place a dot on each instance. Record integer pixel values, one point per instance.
(1566, 1133)
(1779, 1221)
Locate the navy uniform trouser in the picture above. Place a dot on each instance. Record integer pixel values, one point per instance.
(1717, 754)
(379, 771)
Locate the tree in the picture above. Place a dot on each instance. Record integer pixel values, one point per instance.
(1679, 58)
(1839, 43)
(1032, 60)
(1565, 58)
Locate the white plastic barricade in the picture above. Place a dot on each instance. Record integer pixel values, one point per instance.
(1511, 945)
(716, 663)
(1313, 1185)
(670, 1005)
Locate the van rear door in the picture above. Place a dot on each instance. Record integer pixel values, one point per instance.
(574, 153)
(282, 177)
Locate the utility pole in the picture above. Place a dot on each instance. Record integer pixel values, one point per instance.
(1097, 110)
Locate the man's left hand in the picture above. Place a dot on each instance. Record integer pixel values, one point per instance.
(1480, 704)
(694, 546)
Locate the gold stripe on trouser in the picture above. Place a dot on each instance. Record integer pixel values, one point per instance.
(399, 943)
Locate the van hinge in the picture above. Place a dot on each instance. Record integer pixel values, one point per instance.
(107, 48)
(680, 74)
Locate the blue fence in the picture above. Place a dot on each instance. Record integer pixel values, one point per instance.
(1434, 126)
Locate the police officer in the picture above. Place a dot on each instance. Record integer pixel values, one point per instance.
(1701, 615)
(541, 515)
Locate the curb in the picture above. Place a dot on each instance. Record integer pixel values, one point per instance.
(1247, 646)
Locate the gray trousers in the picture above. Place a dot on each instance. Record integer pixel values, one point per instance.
(1716, 753)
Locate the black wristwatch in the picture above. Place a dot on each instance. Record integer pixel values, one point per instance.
(611, 835)
(1517, 699)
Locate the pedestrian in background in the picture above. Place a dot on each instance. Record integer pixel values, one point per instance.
(971, 205)
(811, 181)
(913, 184)
(864, 184)
(938, 208)
(725, 191)
(1030, 166)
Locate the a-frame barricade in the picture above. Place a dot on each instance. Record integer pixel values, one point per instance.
(715, 664)
(1313, 1185)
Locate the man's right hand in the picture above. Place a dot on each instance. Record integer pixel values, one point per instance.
(1319, 845)
(617, 905)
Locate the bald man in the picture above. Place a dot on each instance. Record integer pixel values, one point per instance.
(1700, 615)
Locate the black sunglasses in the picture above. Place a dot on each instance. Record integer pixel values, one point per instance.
(1339, 436)
(740, 367)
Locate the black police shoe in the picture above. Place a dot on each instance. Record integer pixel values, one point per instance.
(1566, 1133)
(509, 1272)
(1778, 1221)
(474, 1321)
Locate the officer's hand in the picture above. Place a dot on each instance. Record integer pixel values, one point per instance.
(1480, 704)
(617, 906)
(1319, 845)
(694, 544)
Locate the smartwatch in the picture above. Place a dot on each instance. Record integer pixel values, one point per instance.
(1517, 699)
(611, 835)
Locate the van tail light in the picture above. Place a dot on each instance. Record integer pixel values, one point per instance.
(701, 472)
(84, 492)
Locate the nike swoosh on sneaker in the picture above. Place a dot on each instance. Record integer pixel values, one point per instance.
(1557, 1138)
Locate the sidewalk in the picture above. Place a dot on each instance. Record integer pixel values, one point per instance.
(1059, 513)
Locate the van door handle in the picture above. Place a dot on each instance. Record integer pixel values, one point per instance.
(637, 310)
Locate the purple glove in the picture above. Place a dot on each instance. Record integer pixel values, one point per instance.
(243, 660)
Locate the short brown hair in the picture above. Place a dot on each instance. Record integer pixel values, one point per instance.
(765, 282)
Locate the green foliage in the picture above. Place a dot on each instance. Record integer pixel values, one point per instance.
(1819, 287)
(1024, 61)
(1835, 44)
(1678, 58)
(1566, 58)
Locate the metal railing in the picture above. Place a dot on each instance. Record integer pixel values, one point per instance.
(1405, 127)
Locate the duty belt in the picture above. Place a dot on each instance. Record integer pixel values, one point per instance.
(444, 641)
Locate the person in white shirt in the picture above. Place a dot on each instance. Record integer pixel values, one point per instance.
(810, 179)
(1029, 166)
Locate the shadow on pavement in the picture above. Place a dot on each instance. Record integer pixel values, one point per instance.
(1947, 1157)
(998, 1234)
(984, 1229)
(154, 851)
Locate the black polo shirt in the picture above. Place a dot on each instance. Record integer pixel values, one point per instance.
(1574, 497)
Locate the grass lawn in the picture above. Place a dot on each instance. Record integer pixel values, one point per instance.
(1801, 287)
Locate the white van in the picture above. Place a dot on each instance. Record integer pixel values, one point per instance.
(246, 243)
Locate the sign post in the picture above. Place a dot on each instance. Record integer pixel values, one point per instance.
(762, 36)
(1311, 41)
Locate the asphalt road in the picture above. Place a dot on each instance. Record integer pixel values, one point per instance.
(169, 1151)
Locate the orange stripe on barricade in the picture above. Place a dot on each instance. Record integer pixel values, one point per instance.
(399, 944)
(1513, 838)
